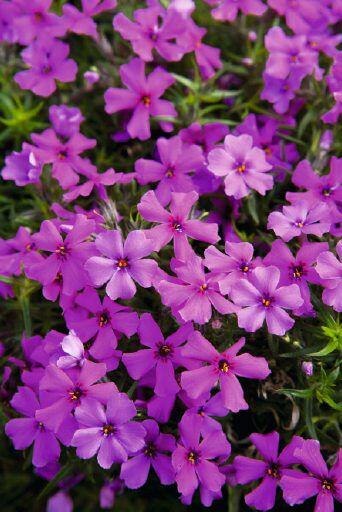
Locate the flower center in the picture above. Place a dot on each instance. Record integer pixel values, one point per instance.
(223, 366)
(326, 191)
(169, 173)
(193, 457)
(203, 287)
(28, 247)
(38, 17)
(266, 301)
(177, 226)
(327, 485)
(75, 394)
(164, 350)
(122, 263)
(61, 251)
(150, 450)
(62, 155)
(299, 224)
(154, 36)
(41, 426)
(273, 471)
(267, 150)
(108, 430)
(241, 167)
(46, 69)
(244, 268)
(103, 319)
(146, 100)
(297, 272)
(294, 58)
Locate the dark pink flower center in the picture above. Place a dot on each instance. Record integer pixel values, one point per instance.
(326, 191)
(61, 251)
(244, 267)
(122, 263)
(150, 450)
(103, 318)
(146, 100)
(299, 223)
(193, 457)
(266, 301)
(327, 485)
(176, 225)
(297, 271)
(273, 471)
(75, 394)
(38, 17)
(108, 430)
(169, 172)
(223, 366)
(41, 426)
(46, 69)
(203, 287)
(241, 167)
(164, 350)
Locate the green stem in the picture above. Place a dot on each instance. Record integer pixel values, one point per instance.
(234, 499)
(308, 417)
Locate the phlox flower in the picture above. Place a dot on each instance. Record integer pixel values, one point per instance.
(48, 62)
(329, 268)
(162, 354)
(194, 293)
(66, 121)
(227, 10)
(220, 367)
(110, 433)
(193, 458)
(175, 224)
(154, 28)
(177, 161)
(320, 481)
(300, 218)
(243, 165)
(18, 252)
(142, 96)
(281, 91)
(120, 264)
(303, 16)
(134, 472)
(261, 299)
(95, 181)
(81, 22)
(271, 468)
(23, 168)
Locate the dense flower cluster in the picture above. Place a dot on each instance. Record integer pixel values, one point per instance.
(200, 268)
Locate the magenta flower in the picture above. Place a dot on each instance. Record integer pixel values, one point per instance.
(32, 20)
(142, 96)
(163, 355)
(135, 471)
(220, 367)
(271, 469)
(23, 168)
(110, 433)
(48, 61)
(25, 431)
(104, 320)
(177, 161)
(122, 264)
(297, 270)
(81, 22)
(227, 10)
(67, 392)
(260, 299)
(243, 165)
(94, 181)
(326, 484)
(329, 268)
(326, 188)
(154, 29)
(193, 296)
(281, 91)
(233, 266)
(175, 224)
(193, 458)
(300, 218)
(16, 252)
(73, 347)
(63, 155)
(67, 257)
(303, 16)
(288, 54)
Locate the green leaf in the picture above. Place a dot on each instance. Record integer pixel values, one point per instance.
(252, 208)
(299, 393)
(332, 345)
(64, 472)
(185, 81)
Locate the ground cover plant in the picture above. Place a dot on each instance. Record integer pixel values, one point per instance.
(170, 255)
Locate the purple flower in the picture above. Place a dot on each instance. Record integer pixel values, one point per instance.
(135, 471)
(281, 91)
(163, 355)
(122, 264)
(227, 10)
(300, 218)
(271, 469)
(48, 62)
(63, 155)
(194, 293)
(243, 165)
(326, 188)
(303, 16)
(177, 161)
(326, 484)
(109, 491)
(81, 22)
(307, 368)
(96, 181)
(297, 270)
(23, 168)
(32, 20)
(104, 321)
(66, 121)
(233, 266)
(142, 96)
(193, 458)
(260, 299)
(288, 54)
(68, 255)
(154, 28)
(16, 252)
(175, 224)
(329, 268)
(220, 367)
(25, 431)
(110, 433)
(67, 392)
(72, 346)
